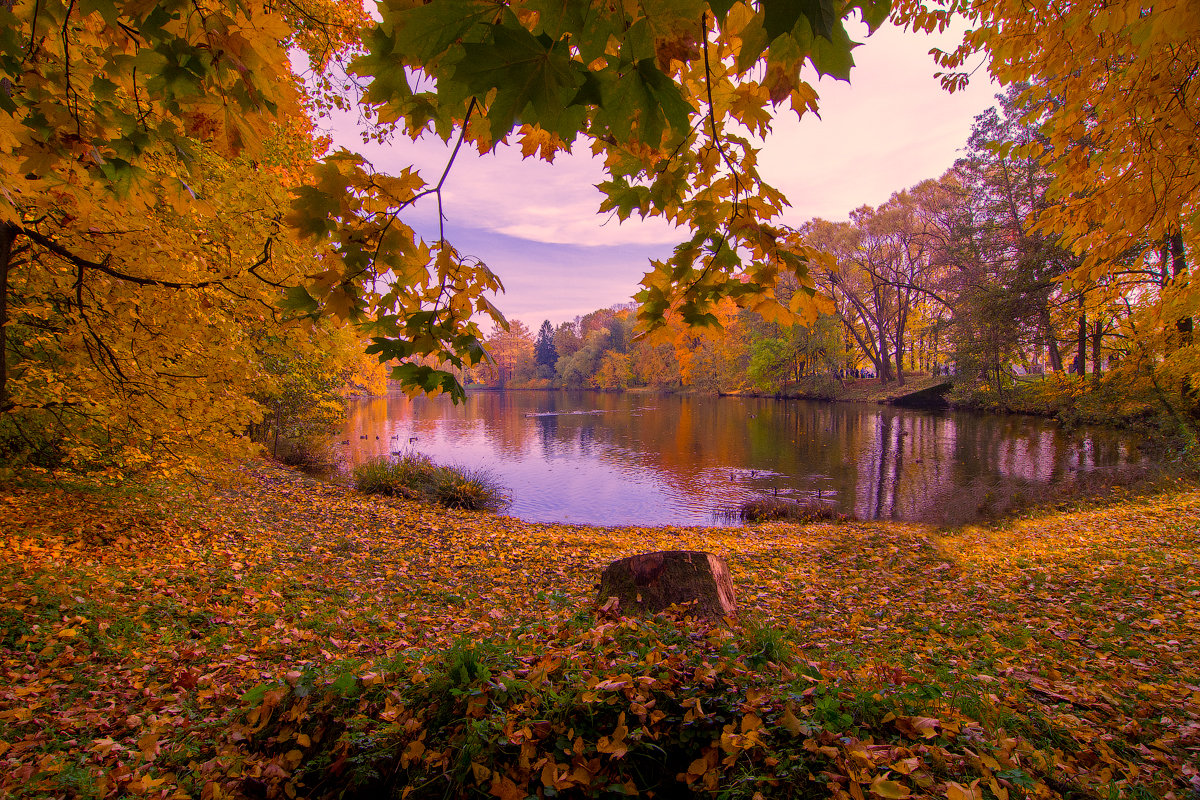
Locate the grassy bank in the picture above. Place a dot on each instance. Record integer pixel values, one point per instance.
(856, 390)
(269, 636)
(1115, 400)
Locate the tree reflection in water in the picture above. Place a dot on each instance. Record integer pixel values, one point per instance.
(620, 459)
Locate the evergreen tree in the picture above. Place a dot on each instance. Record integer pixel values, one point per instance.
(544, 350)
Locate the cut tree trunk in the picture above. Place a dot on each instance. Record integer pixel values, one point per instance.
(651, 582)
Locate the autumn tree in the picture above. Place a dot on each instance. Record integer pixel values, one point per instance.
(566, 338)
(654, 364)
(1113, 89)
(135, 371)
(143, 155)
(512, 350)
(614, 372)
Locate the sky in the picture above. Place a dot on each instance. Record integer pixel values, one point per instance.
(536, 224)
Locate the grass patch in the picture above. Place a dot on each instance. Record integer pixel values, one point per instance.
(415, 477)
(776, 509)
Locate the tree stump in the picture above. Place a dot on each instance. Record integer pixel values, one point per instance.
(650, 582)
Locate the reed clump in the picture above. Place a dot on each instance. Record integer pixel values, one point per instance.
(414, 476)
(778, 509)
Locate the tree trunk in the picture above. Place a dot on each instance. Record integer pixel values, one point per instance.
(8, 235)
(1178, 266)
(1052, 351)
(652, 582)
(885, 361)
(1080, 365)
(1097, 334)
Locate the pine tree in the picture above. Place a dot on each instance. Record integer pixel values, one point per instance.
(543, 349)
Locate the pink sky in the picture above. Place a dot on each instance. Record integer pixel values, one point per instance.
(536, 224)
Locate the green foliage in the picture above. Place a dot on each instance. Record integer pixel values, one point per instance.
(780, 355)
(415, 477)
(641, 706)
(1116, 399)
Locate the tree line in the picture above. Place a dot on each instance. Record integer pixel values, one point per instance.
(951, 275)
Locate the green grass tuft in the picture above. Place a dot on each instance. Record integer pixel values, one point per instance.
(416, 477)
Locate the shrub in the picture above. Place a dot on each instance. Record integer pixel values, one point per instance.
(414, 476)
(308, 455)
(29, 444)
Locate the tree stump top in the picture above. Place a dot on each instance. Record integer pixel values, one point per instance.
(651, 582)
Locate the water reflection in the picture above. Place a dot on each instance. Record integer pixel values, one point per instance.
(612, 459)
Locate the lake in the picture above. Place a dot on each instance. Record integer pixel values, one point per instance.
(631, 459)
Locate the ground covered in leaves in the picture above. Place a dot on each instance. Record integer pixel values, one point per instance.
(263, 635)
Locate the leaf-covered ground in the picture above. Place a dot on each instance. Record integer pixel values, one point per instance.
(269, 636)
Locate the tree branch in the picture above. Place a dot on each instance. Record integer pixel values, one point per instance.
(102, 266)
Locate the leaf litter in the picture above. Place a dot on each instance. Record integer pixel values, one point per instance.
(270, 636)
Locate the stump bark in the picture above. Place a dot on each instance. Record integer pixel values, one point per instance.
(650, 582)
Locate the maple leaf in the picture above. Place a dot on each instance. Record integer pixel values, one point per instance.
(524, 71)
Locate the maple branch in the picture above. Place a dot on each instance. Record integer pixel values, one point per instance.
(462, 135)
(29, 51)
(394, 215)
(712, 116)
(137, 101)
(102, 266)
(263, 259)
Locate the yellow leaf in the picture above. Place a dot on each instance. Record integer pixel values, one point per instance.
(956, 791)
(615, 745)
(148, 745)
(505, 789)
(889, 789)
(414, 750)
(791, 722)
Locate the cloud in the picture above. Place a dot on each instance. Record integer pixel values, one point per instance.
(504, 193)
(556, 281)
(891, 127)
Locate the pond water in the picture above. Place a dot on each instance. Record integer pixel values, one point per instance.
(626, 459)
